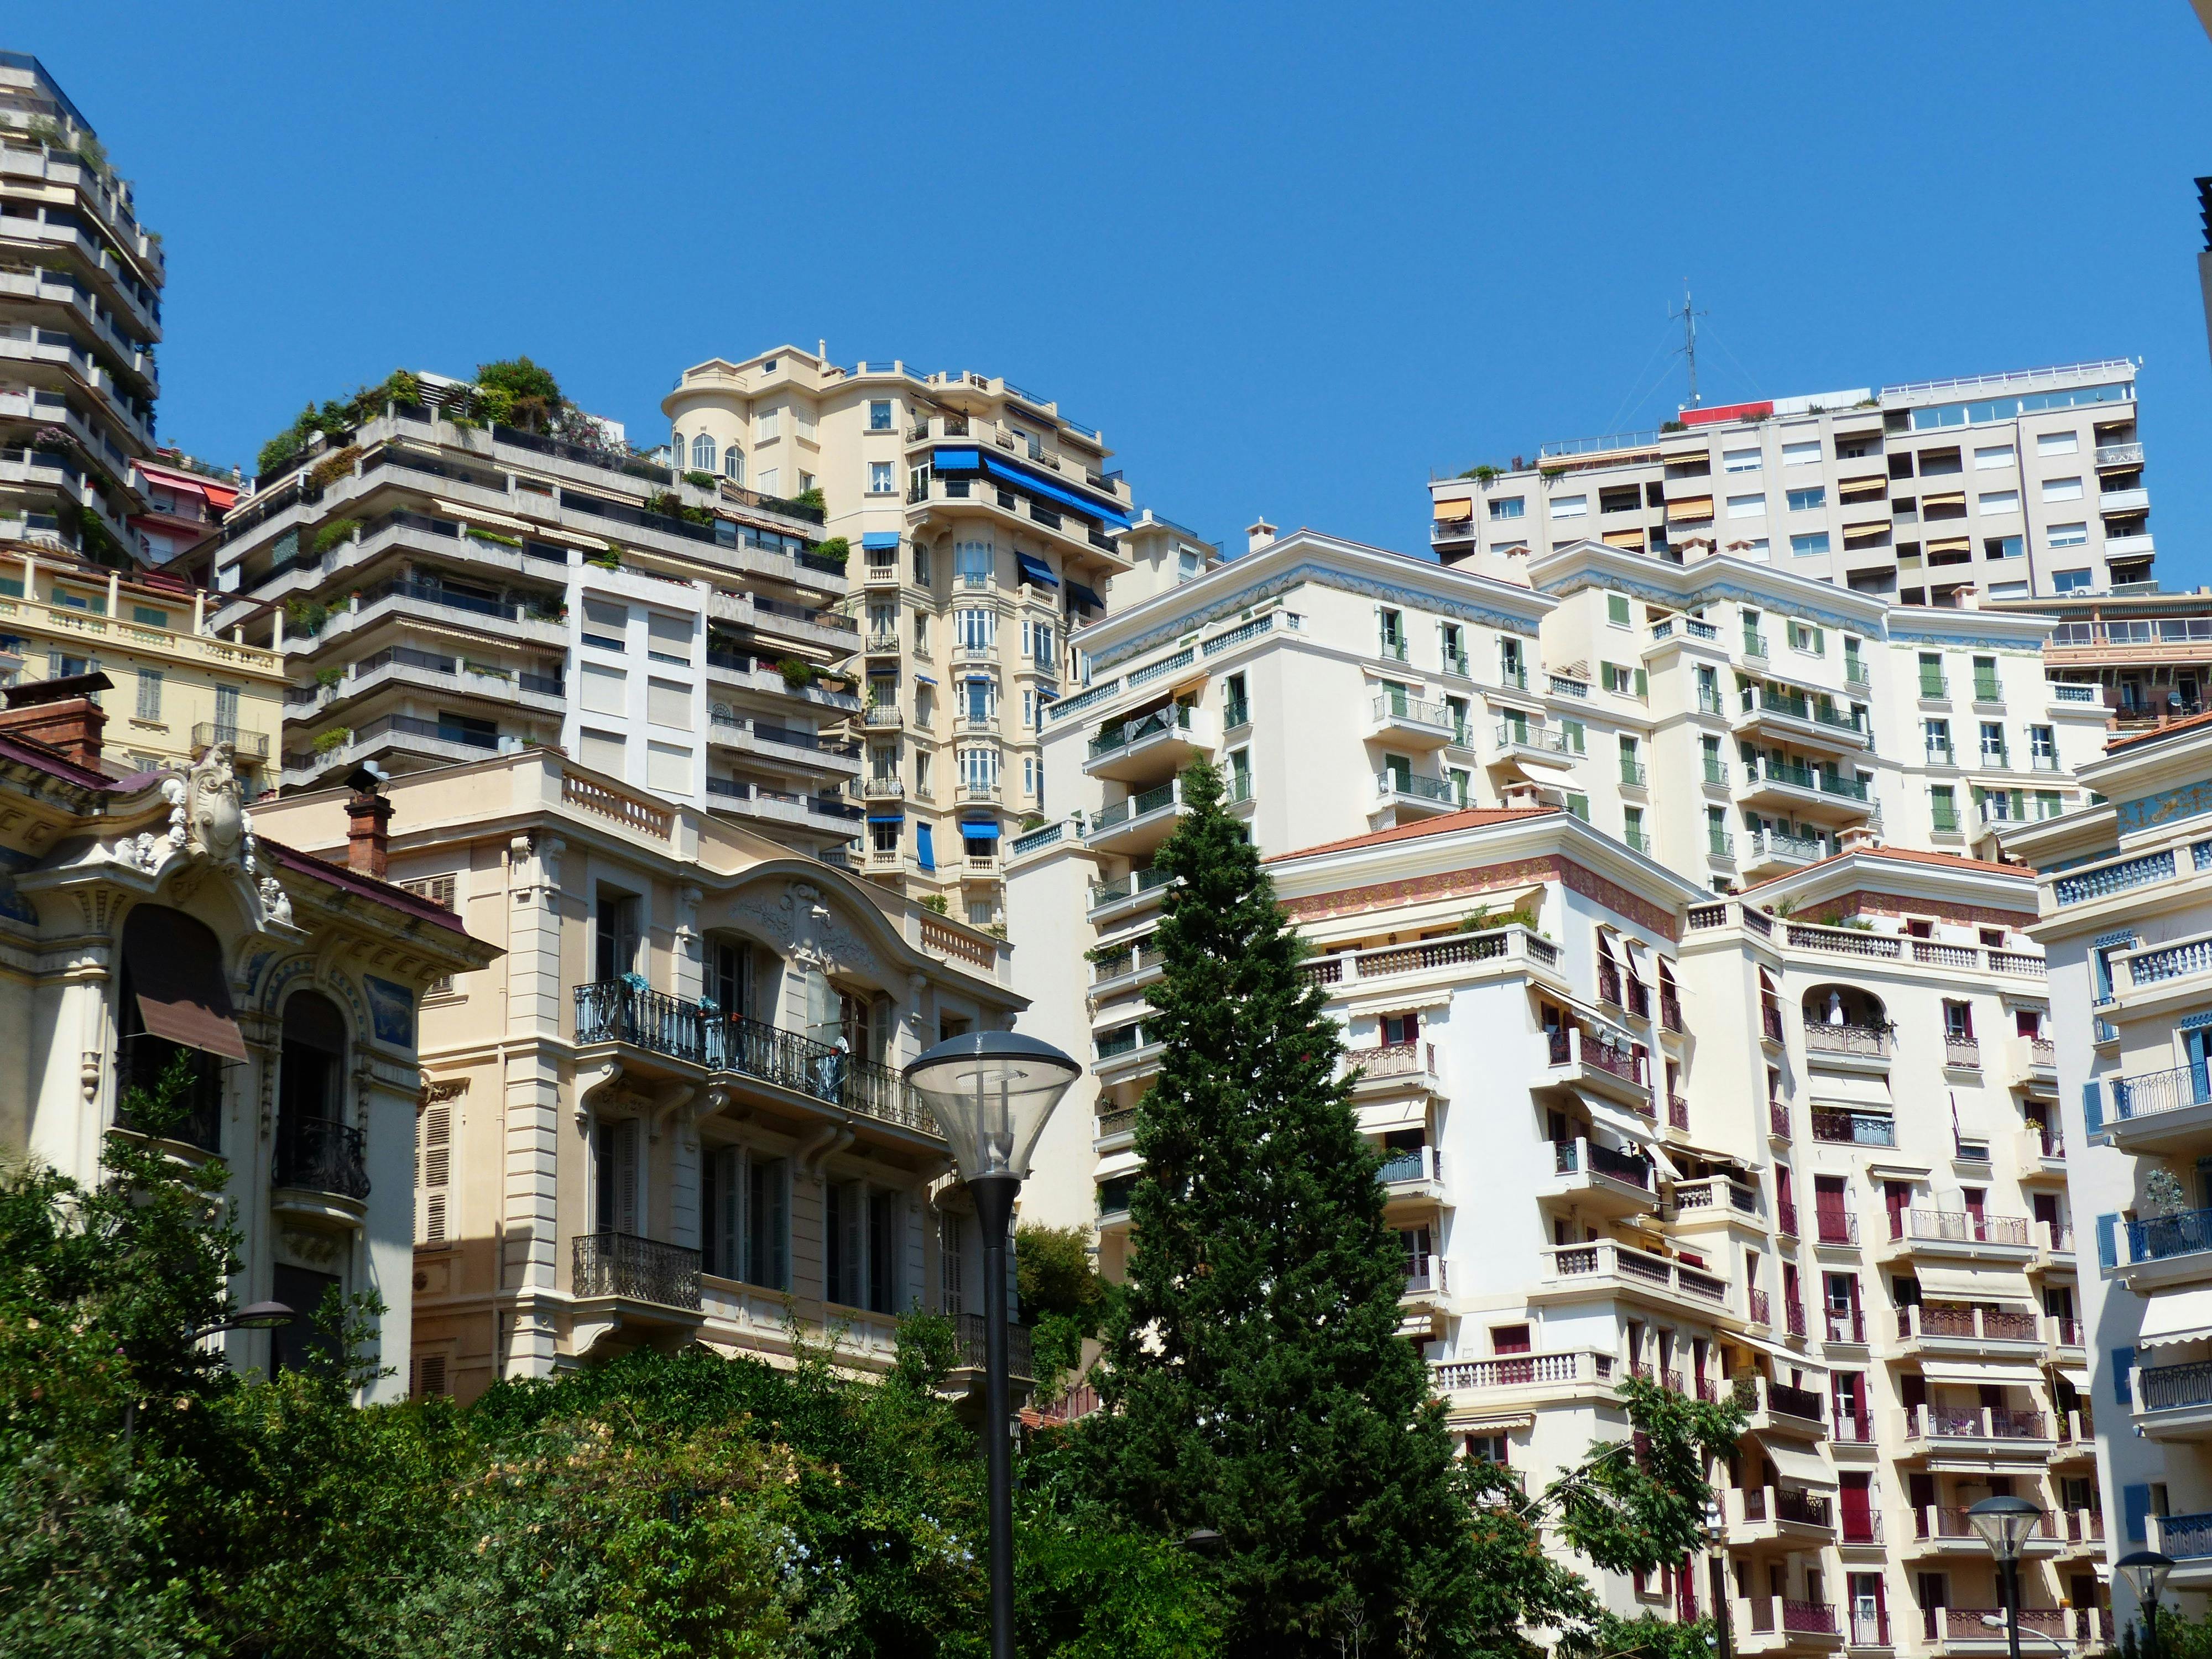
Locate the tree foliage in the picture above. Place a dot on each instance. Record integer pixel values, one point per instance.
(1062, 1297)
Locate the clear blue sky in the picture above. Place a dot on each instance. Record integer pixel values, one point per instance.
(1292, 259)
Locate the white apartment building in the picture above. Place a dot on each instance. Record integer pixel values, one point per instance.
(985, 527)
(2126, 918)
(440, 592)
(1999, 486)
(671, 1111)
(1490, 807)
(80, 285)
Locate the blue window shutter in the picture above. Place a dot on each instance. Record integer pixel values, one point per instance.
(2135, 1504)
(2124, 1366)
(2108, 1244)
(2093, 1107)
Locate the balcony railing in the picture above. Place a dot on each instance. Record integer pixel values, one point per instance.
(2184, 1537)
(1410, 1164)
(242, 743)
(320, 1155)
(1965, 1324)
(1988, 1624)
(2155, 1238)
(1854, 1128)
(1136, 806)
(1121, 734)
(2152, 1092)
(2081, 885)
(1414, 784)
(635, 1269)
(615, 1011)
(2174, 1387)
(1959, 1227)
(1974, 1423)
(1836, 1226)
(1393, 1060)
(1871, 1041)
(1777, 1119)
(967, 1342)
(1522, 1370)
(1843, 1324)
(1568, 1156)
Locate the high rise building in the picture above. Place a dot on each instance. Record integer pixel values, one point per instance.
(443, 591)
(1937, 493)
(984, 526)
(2146, 657)
(80, 314)
(2126, 920)
(1699, 1032)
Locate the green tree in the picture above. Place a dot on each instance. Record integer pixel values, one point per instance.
(1254, 1379)
(515, 391)
(1061, 1298)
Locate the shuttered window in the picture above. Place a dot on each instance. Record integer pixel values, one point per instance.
(434, 1179)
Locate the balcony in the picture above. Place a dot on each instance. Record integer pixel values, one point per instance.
(1770, 851)
(320, 1174)
(2174, 1403)
(1604, 1267)
(1770, 1624)
(1392, 1068)
(1533, 743)
(1426, 1287)
(2155, 1110)
(1716, 1196)
(622, 1281)
(1788, 717)
(1945, 1526)
(1787, 787)
(2079, 886)
(1853, 1128)
(2032, 1059)
(246, 747)
(969, 1337)
(682, 1039)
(1867, 1042)
(1974, 1431)
(1409, 792)
(1136, 826)
(1414, 1176)
(1514, 944)
(1601, 1180)
(1962, 1234)
(1156, 746)
(1771, 1407)
(1618, 1071)
(1410, 722)
(1949, 1328)
(1779, 1514)
(1527, 1377)
(2178, 1239)
(1834, 1225)
(2188, 1539)
(1968, 1630)
(1113, 900)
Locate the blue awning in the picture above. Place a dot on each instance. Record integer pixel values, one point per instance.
(875, 538)
(924, 679)
(1079, 594)
(1090, 507)
(886, 817)
(1036, 570)
(924, 851)
(956, 460)
(979, 830)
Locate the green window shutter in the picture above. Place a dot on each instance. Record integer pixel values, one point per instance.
(1642, 684)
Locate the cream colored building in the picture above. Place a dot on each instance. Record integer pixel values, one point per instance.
(671, 1110)
(151, 917)
(1993, 486)
(80, 314)
(1673, 839)
(179, 686)
(984, 527)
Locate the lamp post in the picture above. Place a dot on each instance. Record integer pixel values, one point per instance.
(254, 1317)
(992, 1092)
(2004, 1524)
(2145, 1571)
(1716, 1543)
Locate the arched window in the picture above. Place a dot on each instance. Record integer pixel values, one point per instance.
(733, 465)
(316, 1150)
(676, 451)
(702, 454)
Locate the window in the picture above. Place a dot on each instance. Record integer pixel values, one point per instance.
(1993, 743)
(733, 465)
(971, 563)
(1576, 736)
(702, 454)
(1810, 500)
(879, 415)
(1616, 609)
(1509, 506)
(1811, 543)
(1755, 549)
(618, 933)
(668, 638)
(667, 702)
(2003, 547)
(1997, 500)
(2061, 489)
(1451, 639)
(1033, 778)
(921, 578)
(1745, 507)
(977, 628)
(771, 480)
(1632, 832)
(1943, 809)
(1739, 461)
(1579, 806)
(880, 482)
(2068, 581)
(1570, 506)
(1801, 454)
(607, 626)
(2058, 443)
(1187, 563)
(1391, 627)
(1803, 636)
(1618, 677)
(2043, 748)
(2067, 534)
(150, 694)
(1992, 456)
(979, 769)
(147, 617)
(1938, 736)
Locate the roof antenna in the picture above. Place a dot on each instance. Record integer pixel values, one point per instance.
(1689, 339)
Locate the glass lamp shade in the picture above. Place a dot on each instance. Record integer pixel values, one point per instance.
(2145, 1571)
(2004, 1524)
(992, 1092)
(262, 1316)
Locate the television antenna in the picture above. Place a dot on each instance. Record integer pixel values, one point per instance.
(1689, 339)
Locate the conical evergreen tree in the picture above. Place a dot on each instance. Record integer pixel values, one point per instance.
(1254, 1380)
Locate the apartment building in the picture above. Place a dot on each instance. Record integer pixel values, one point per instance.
(175, 687)
(2146, 657)
(1676, 836)
(148, 919)
(671, 1111)
(985, 526)
(2126, 912)
(1940, 492)
(440, 592)
(79, 315)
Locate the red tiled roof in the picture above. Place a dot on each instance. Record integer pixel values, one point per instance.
(1473, 817)
(2165, 731)
(1903, 855)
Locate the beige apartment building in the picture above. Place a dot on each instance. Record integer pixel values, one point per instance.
(79, 315)
(1696, 845)
(670, 1111)
(1937, 493)
(984, 527)
(2146, 657)
(439, 592)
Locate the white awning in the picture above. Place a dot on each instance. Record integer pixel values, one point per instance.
(1407, 1112)
(2078, 1376)
(1957, 1282)
(1779, 1353)
(2177, 1316)
(1970, 1115)
(1796, 1464)
(2016, 1374)
(1849, 1089)
(481, 515)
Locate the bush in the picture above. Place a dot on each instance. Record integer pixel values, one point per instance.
(493, 537)
(797, 674)
(811, 497)
(515, 391)
(333, 466)
(333, 534)
(936, 902)
(836, 550)
(305, 615)
(336, 738)
(701, 480)
(327, 679)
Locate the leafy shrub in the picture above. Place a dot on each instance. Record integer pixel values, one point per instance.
(493, 537)
(305, 615)
(327, 679)
(333, 466)
(836, 550)
(336, 738)
(702, 480)
(935, 901)
(333, 534)
(797, 673)
(811, 497)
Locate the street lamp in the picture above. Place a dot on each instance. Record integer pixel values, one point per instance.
(255, 1316)
(2146, 1571)
(992, 1092)
(1717, 1544)
(2004, 1524)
